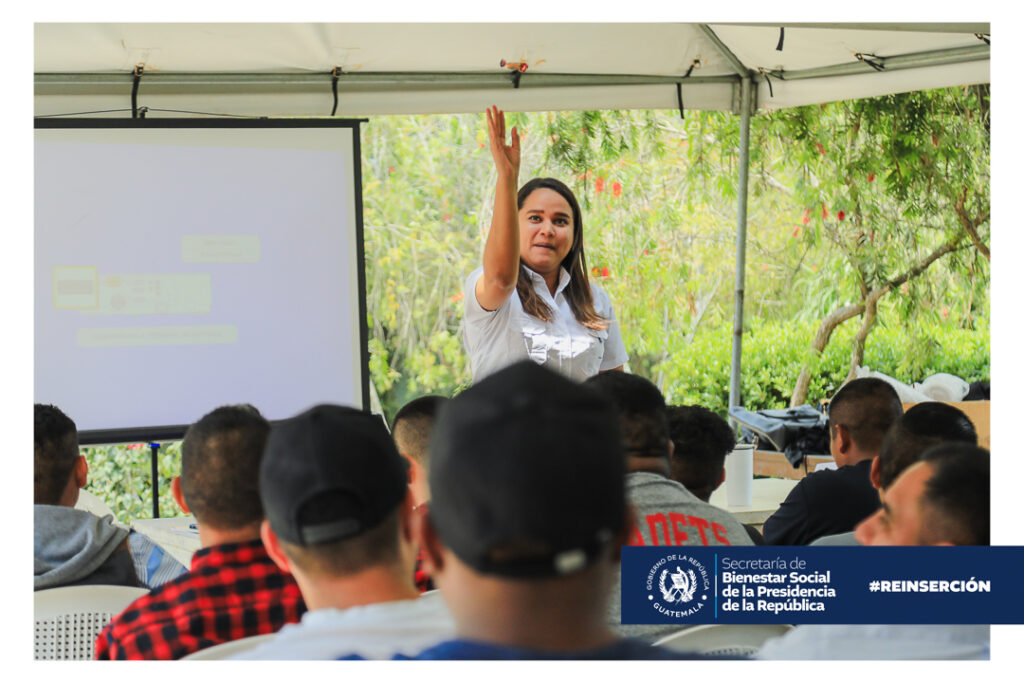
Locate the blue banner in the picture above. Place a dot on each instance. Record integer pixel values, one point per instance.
(822, 585)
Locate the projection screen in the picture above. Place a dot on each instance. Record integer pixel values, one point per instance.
(184, 264)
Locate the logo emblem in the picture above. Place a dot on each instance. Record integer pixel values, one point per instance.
(684, 584)
(677, 587)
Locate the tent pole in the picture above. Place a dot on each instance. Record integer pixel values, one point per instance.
(735, 397)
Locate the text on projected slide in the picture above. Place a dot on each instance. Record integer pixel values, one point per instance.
(91, 293)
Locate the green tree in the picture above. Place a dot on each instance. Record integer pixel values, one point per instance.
(929, 153)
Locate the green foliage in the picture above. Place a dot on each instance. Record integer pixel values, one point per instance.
(773, 353)
(121, 476)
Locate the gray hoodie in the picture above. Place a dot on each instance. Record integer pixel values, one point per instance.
(77, 547)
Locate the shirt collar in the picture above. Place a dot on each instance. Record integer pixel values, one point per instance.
(245, 552)
(538, 280)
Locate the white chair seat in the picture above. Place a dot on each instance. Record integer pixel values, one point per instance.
(68, 619)
(723, 639)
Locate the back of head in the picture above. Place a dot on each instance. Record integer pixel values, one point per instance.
(642, 413)
(702, 439)
(413, 424)
(527, 475)
(56, 450)
(331, 483)
(957, 497)
(922, 426)
(220, 464)
(867, 407)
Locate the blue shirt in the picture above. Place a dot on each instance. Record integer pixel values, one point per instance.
(624, 648)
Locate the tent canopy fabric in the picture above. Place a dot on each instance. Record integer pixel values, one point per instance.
(286, 69)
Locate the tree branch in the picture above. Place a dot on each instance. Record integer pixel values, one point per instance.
(833, 320)
(971, 225)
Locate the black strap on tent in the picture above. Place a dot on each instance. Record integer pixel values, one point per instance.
(782, 36)
(335, 72)
(769, 72)
(136, 77)
(984, 37)
(679, 86)
(874, 61)
(516, 75)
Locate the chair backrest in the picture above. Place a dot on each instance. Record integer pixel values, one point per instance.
(229, 649)
(68, 619)
(723, 639)
(90, 502)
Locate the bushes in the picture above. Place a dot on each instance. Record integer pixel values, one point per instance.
(773, 353)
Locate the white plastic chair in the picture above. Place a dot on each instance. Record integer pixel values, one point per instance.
(229, 649)
(90, 502)
(68, 619)
(741, 640)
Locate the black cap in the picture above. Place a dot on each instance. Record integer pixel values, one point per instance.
(335, 452)
(527, 474)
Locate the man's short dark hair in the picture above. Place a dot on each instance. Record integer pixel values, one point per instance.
(220, 465)
(956, 499)
(412, 426)
(56, 451)
(375, 546)
(642, 414)
(922, 426)
(867, 407)
(702, 440)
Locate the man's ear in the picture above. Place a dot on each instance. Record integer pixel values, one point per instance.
(408, 515)
(273, 545)
(417, 480)
(81, 472)
(845, 441)
(179, 497)
(430, 546)
(721, 479)
(876, 473)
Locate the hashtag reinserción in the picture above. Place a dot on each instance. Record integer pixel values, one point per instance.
(933, 586)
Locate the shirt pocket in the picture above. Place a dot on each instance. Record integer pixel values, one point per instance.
(536, 337)
(590, 359)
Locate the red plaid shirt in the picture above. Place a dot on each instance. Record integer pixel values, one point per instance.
(234, 590)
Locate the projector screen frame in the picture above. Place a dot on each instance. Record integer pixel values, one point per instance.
(157, 433)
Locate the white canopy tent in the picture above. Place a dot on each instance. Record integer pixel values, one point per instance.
(295, 69)
(285, 69)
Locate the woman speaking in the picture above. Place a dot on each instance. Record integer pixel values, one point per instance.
(532, 298)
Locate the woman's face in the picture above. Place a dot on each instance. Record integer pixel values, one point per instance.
(545, 230)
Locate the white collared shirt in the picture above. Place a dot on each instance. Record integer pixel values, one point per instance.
(495, 339)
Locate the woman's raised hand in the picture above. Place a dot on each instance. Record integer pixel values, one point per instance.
(506, 157)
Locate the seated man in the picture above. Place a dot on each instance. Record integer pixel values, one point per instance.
(666, 512)
(941, 500)
(526, 519)
(700, 441)
(922, 426)
(411, 431)
(74, 547)
(340, 519)
(234, 589)
(834, 501)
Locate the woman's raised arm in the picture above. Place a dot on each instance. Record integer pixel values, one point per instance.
(501, 252)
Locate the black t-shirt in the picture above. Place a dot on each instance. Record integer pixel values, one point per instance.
(823, 503)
